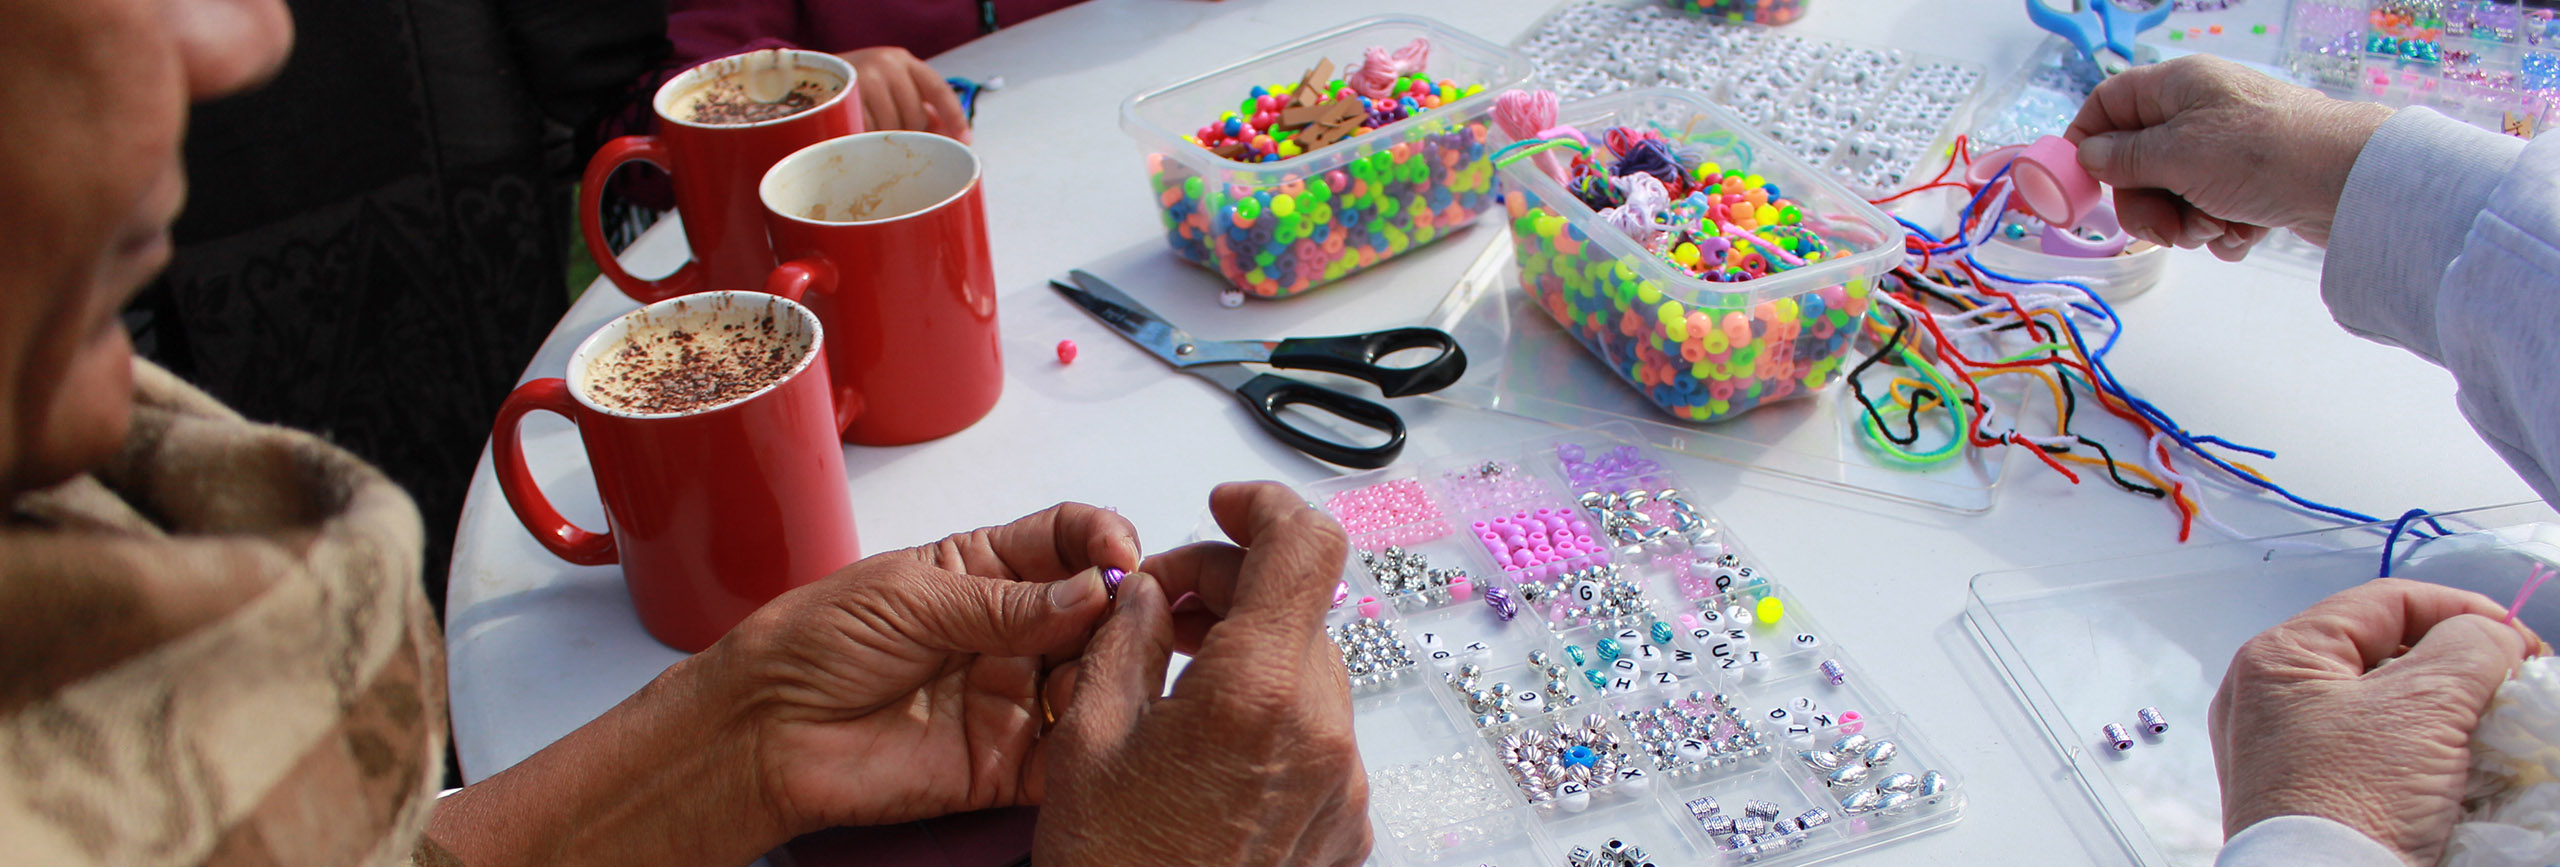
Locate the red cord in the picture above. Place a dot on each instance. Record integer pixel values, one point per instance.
(2186, 516)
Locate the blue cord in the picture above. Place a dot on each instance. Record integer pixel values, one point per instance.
(2402, 525)
(2105, 379)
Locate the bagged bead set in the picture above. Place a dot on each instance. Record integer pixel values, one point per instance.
(1562, 656)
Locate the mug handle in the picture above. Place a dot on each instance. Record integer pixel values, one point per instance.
(608, 159)
(801, 277)
(515, 479)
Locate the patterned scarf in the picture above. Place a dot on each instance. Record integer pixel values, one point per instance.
(214, 650)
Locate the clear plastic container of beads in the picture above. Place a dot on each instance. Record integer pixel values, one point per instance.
(1275, 229)
(1769, 12)
(1646, 697)
(1698, 349)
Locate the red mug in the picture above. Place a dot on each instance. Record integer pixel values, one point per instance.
(715, 168)
(713, 504)
(884, 234)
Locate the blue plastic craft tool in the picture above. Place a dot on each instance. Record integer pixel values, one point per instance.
(2102, 29)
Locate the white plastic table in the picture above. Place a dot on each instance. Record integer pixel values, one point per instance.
(538, 647)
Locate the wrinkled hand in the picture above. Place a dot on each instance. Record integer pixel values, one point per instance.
(909, 684)
(1251, 759)
(902, 92)
(2311, 722)
(2204, 152)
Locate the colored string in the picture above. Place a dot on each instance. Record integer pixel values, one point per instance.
(2402, 525)
(2532, 582)
(1519, 150)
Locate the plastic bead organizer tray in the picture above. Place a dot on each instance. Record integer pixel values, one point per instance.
(1873, 117)
(1655, 696)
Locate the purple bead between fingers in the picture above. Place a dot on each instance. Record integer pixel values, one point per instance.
(1111, 576)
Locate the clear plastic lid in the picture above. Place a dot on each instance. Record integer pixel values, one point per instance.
(1160, 118)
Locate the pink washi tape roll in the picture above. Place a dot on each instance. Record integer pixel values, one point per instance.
(1989, 164)
(2076, 242)
(2049, 177)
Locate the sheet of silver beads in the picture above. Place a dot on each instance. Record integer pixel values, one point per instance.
(1760, 831)
(1408, 577)
(1563, 765)
(1372, 653)
(1615, 597)
(1891, 793)
(1697, 734)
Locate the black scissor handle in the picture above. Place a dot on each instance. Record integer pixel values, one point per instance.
(1266, 395)
(1356, 355)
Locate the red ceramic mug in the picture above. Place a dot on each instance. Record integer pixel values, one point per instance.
(716, 499)
(715, 166)
(884, 234)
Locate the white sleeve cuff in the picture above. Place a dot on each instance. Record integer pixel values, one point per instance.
(2407, 208)
(2290, 840)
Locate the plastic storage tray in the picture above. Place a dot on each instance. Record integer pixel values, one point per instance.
(1875, 117)
(1691, 648)
(1340, 208)
(2087, 644)
(1523, 364)
(1698, 349)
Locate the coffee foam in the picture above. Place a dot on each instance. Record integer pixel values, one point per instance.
(695, 355)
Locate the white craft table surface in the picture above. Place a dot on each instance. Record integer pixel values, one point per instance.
(538, 647)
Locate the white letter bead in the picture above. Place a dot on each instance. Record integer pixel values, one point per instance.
(1573, 797)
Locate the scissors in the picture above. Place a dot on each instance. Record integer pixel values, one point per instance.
(1266, 394)
(2102, 29)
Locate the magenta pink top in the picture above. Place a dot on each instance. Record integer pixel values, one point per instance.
(704, 29)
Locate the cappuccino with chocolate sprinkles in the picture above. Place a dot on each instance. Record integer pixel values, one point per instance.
(697, 357)
(724, 103)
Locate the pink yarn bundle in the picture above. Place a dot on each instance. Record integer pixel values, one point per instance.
(1379, 69)
(1531, 114)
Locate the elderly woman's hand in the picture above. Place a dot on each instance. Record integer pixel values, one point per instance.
(1251, 759)
(909, 685)
(2310, 720)
(2205, 152)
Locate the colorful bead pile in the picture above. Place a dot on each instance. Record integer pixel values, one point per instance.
(1255, 132)
(1388, 513)
(1716, 354)
(1770, 12)
(1345, 212)
(1278, 240)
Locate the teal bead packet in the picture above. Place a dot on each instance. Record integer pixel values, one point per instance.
(1619, 670)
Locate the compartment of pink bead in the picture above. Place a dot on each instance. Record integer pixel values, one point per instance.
(1669, 698)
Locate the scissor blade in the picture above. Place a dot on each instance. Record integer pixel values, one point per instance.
(1143, 327)
(1125, 315)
